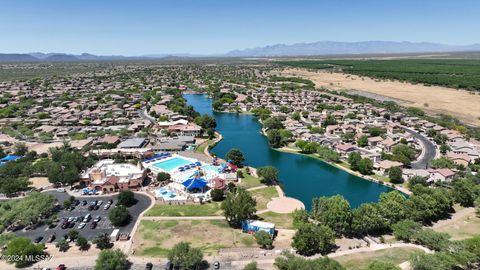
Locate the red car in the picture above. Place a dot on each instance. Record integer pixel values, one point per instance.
(93, 225)
(61, 267)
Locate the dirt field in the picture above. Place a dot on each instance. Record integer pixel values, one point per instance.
(39, 182)
(362, 259)
(465, 224)
(155, 238)
(462, 104)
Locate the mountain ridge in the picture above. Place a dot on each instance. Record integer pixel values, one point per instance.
(319, 48)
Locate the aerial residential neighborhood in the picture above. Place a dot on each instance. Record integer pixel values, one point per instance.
(239, 135)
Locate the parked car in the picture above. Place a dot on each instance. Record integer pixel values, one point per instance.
(65, 225)
(84, 202)
(93, 225)
(61, 267)
(106, 206)
(70, 219)
(216, 265)
(71, 225)
(97, 219)
(38, 239)
(95, 207)
(76, 202)
(110, 201)
(148, 266)
(61, 190)
(81, 225)
(169, 265)
(87, 218)
(99, 202)
(51, 238)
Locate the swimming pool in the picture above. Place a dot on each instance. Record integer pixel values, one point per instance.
(171, 164)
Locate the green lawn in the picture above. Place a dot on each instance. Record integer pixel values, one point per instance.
(263, 196)
(281, 221)
(249, 181)
(360, 261)
(201, 147)
(208, 209)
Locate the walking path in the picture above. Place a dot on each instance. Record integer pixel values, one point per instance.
(184, 218)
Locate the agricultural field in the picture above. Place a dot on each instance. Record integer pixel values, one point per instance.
(433, 99)
(461, 74)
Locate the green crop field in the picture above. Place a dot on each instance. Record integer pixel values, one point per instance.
(464, 74)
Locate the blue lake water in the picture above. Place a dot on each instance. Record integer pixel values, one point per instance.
(302, 177)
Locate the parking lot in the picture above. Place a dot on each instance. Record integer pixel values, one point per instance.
(103, 226)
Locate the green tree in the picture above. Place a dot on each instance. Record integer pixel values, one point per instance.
(362, 141)
(274, 138)
(20, 149)
(238, 206)
(235, 156)
(273, 123)
(119, 216)
(126, 198)
(217, 195)
(367, 219)
(395, 175)
(264, 239)
(183, 256)
(329, 120)
(442, 162)
(163, 177)
(62, 245)
(269, 174)
(311, 239)
(20, 248)
(365, 166)
(333, 212)
(296, 116)
(251, 266)
(206, 122)
(292, 262)
(392, 206)
(111, 260)
(465, 192)
(102, 241)
(82, 243)
(376, 131)
(417, 180)
(436, 261)
(406, 230)
(300, 217)
(354, 160)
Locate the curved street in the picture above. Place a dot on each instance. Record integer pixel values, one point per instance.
(429, 150)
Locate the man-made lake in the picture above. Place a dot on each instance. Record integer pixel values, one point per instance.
(302, 177)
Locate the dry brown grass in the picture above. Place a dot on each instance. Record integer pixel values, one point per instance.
(459, 103)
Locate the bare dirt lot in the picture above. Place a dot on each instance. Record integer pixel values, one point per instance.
(462, 104)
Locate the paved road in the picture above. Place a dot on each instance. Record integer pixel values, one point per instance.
(430, 151)
(104, 226)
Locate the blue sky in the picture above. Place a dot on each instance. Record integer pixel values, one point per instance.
(214, 26)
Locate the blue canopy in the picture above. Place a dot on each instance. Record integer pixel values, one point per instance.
(9, 158)
(192, 183)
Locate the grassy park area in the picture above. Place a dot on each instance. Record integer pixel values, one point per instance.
(164, 210)
(156, 238)
(263, 196)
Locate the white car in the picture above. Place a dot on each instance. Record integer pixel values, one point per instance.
(81, 225)
(106, 206)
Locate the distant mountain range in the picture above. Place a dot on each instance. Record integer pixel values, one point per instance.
(342, 48)
(279, 50)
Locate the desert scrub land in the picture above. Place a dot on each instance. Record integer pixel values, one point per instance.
(461, 104)
(156, 238)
